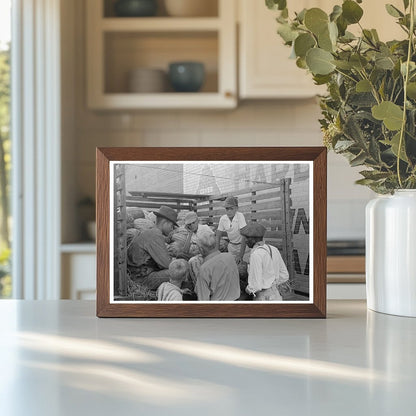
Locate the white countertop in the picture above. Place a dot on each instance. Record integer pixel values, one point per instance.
(57, 358)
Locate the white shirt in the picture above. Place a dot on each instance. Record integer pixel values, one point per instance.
(232, 228)
(264, 269)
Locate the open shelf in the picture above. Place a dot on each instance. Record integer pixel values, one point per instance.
(116, 46)
(127, 51)
(209, 9)
(160, 24)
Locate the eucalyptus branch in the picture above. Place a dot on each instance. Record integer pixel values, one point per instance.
(406, 79)
(373, 88)
(346, 75)
(392, 91)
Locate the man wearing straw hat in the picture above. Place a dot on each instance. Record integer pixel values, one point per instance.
(147, 256)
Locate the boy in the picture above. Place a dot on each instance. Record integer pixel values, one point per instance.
(171, 291)
(230, 224)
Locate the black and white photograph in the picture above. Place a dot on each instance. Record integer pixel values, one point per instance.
(211, 232)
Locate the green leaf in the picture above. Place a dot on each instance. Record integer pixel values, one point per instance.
(368, 36)
(374, 175)
(374, 150)
(301, 15)
(343, 145)
(333, 32)
(358, 61)
(344, 65)
(303, 43)
(347, 37)
(276, 4)
(336, 12)
(406, 4)
(353, 131)
(394, 143)
(365, 182)
(359, 160)
(391, 114)
(363, 86)
(342, 25)
(411, 90)
(393, 11)
(412, 67)
(384, 62)
(301, 63)
(351, 11)
(375, 35)
(316, 20)
(325, 42)
(321, 79)
(319, 61)
(287, 33)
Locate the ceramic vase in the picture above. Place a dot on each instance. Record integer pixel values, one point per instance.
(391, 253)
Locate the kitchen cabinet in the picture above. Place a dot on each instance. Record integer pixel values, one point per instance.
(118, 45)
(78, 263)
(265, 70)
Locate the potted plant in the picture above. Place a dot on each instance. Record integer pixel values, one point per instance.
(368, 116)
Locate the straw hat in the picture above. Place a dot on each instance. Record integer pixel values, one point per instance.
(168, 214)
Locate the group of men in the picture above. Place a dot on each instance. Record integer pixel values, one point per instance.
(208, 273)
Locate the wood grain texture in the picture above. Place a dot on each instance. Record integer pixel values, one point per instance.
(317, 309)
(319, 229)
(346, 264)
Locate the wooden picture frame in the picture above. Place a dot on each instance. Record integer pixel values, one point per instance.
(283, 162)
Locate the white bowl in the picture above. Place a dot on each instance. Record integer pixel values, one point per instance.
(147, 80)
(191, 8)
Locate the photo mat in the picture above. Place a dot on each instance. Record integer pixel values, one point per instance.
(275, 194)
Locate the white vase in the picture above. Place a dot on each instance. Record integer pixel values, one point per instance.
(391, 253)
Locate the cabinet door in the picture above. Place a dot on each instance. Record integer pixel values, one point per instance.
(266, 71)
(78, 276)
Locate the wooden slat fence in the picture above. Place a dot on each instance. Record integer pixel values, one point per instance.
(120, 245)
(269, 205)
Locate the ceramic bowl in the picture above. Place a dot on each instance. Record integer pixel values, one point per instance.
(147, 80)
(191, 8)
(135, 8)
(186, 76)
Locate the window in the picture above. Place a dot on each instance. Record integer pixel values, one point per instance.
(5, 145)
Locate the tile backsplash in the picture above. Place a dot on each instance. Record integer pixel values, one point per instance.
(254, 123)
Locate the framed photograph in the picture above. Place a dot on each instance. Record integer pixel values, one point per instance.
(211, 232)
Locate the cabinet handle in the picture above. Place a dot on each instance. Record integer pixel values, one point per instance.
(229, 94)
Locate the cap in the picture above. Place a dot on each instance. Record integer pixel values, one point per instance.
(253, 229)
(190, 217)
(231, 201)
